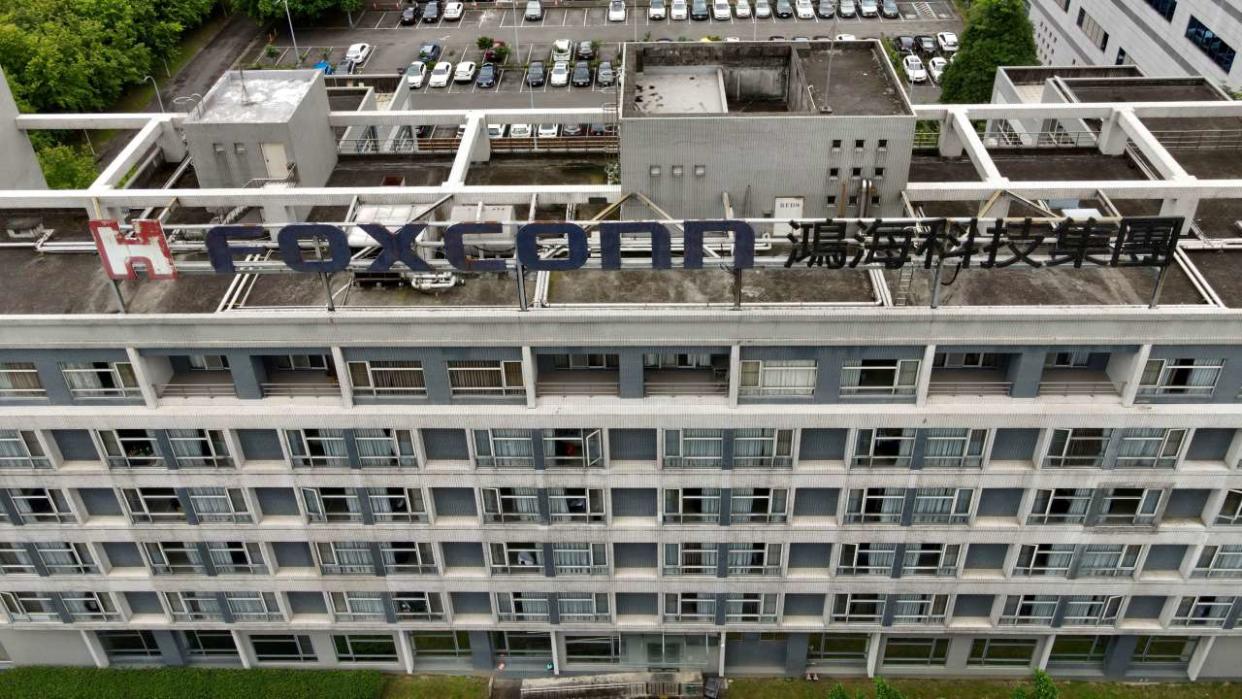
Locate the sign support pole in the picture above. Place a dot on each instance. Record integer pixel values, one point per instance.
(1161, 276)
(120, 298)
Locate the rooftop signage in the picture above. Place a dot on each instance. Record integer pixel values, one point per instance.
(830, 244)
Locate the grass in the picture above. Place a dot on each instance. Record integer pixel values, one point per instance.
(434, 687)
(186, 683)
(980, 689)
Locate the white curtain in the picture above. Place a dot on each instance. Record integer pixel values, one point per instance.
(19, 378)
(353, 554)
(796, 375)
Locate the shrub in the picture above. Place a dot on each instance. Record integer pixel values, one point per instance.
(187, 683)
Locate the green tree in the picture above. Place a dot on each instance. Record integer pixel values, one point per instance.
(300, 9)
(1044, 687)
(884, 690)
(998, 33)
(484, 43)
(838, 692)
(67, 167)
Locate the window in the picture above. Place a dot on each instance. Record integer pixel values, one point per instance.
(236, 558)
(1205, 611)
(407, 558)
(754, 559)
(174, 558)
(858, 609)
(1079, 650)
(942, 505)
(1165, 8)
(768, 377)
(845, 648)
(1091, 610)
(21, 449)
(208, 644)
(867, 559)
(20, 380)
(691, 559)
(63, 558)
(1067, 360)
(875, 506)
(345, 558)
(1150, 448)
(332, 504)
(1222, 54)
(418, 606)
(593, 649)
(758, 505)
(41, 505)
(1060, 506)
(219, 505)
(573, 449)
(891, 377)
(90, 606)
(762, 448)
(1180, 377)
(302, 362)
(690, 607)
(357, 606)
(129, 448)
(128, 645)
(153, 505)
(576, 505)
(583, 606)
(378, 378)
(1219, 562)
(1231, 509)
(1050, 560)
(316, 448)
(692, 505)
(1164, 650)
(916, 651)
(522, 644)
(522, 606)
(1108, 560)
(1130, 506)
(930, 559)
(920, 609)
(441, 644)
(397, 505)
(954, 448)
(1002, 652)
(16, 560)
(200, 449)
(485, 378)
(88, 380)
(504, 449)
(1028, 610)
(365, 648)
(29, 606)
(580, 559)
(511, 505)
(585, 361)
(750, 607)
(886, 447)
(693, 448)
(208, 362)
(193, 606)
(1095, 33)
(282, 648)
(385, 448)
(1078, 448)
(517, 558)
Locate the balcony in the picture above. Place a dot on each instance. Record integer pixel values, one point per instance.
(1076, 382)
(969, 382)
(300, 384)
(686, 382)
(578, 382)
(198, 384)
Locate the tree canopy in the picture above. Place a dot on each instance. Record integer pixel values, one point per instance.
(998, 33)
(305, 9)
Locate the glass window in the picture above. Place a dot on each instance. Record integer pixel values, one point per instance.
(954, 448)
(1165, 8)
(930, 559)
(90, 380)
(16, 560)
(1060, 506)
(442, 644)
(418, 606)
(867, 559)
(1079, 650)
(21, 449)
(1052, 560)
(357, 606)
(1206, 611)
(522, 644)
(385, 448)
(153, 505)
(332, 504)
(750, 607)
(693, 448)
(174, 558)
(692, 505)
(573, 449)
(208, 644)
(1221, 53)
(20, 380)
(1091, 610)
(1231, 509)
(504, 449)
(583, 606)
(1180, 377)
(345, 558)
(1108, 560)
(846, 648)
(236, 558)
(41, 505)
(129, 448)
(768, 377)
(128, 645)
(758, 505)
(63, 558)
(517, 558)
(580, 559)
(522, 606)
(317, 448)
(1078, 448)
(408, 558)
(282, 648)
(1130, 506)
(302, 362)
(1164, 650)
(691, 559)
(193, 606)
(858, 608)
(1150, 448)
(200, 449)
(29, 606)
(576, 505)
(397, 505)
(916, 651)
(942, 505)
(1219, 562)
(593, 649)
(1002, 652)
(873, 377)
(485, 378)
(885, 447)
(378, 378)
(511, 505)
(920, 609)
(755, 559)
(219, 505)
(690, 607)
(90, 606)
(1029, 610)
(762, 448)
(365, 648)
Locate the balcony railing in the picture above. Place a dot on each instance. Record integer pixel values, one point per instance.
(686, 382)
(1075, 382)
(299, 390)
(582, 570)
(969, 388)
(584, 382)
(196, 390)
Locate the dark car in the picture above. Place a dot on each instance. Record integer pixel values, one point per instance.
(345, 67)
(430, 53)
(927, 44)
(586, 51)
(698, 11)
(904, 44)
(411, 14)
(582, 74)
(535, 74)
(602, 130)
(784, 9)
(573, 129)
(604, 74)
(888, 8)
(487, 75)
(826, 9)
(431, 12)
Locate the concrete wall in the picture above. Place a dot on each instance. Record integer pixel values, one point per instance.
(21, 168)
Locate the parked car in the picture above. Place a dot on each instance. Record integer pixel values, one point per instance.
(411, 14)
(657, 10)
(495, 130)
(826, 9)
(679, 11)
(431, 12)
(784, 9)
(358, 53)
(562, 50)
(573, 129)
(586, 51)
(430, 52)
(888, 8)
(804, 9)
(416, 74)
(915, 71)
(453, 11)
(935, 68)
(947, 42)
(494, 52)
(927, 44)
(520, 131)
(868, 8)
(698, 10)
(345, 67)
(559, 76)
(616, 11)
(465, 72)
(487, 76)
(847, 9)
(440, 74)
(582, 74)
(904, 44)
(534, 11)
(602, 130)
(846, 37)
(535, 75)
(604, 74)
(763, 9)
(741, 9)
(548, 130)
(721, 12)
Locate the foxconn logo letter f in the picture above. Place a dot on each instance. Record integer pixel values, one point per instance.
(125, 253)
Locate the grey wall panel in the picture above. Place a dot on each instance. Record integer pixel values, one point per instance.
(462, 554)
(100, 502)
(471, 603)
(277, 501)
(1186, 503)
(293, 554)
(123, 554)
(1000, 502)
(632, 445)
(75, 445)
(815, 502)
(635, 556)
(813, 556)
(1144, 607)
(307, 603)
(637, 603)
(819, 444)
(144, 602)
(634, 502)
(449, 445)
(986, 556)
(46, 647)
(804, 605)
(973, 605)
(1210, 445)
(260, 444)
(454, 502)
(1014, 444)
(1165, 557)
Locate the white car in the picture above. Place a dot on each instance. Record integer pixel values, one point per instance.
(358, 54)
(914, 69)
(440, 74)
(763, 9)
(732, 39)
(616, 11)
(453, 11)
(742, 9)
(549, 130)
(416, 74)
(868, 8)
(804, 9)
(656, 10)
(559, 77)
(935, 68)
(465, 72)
(562, 50)
(520, 131)
(947, 42)
(495, 130)
(846, 37)
(679, 10)
(721, 12)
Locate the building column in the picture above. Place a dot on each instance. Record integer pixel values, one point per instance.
(556, 652)
(1133, 377)
(925, 372)
(873, 653)
(1024, 372)
(1045, 651)
(143, 376)
(735, 373)
(95, 648)
(342, 377)
(529, 375)
(1202, 650)
(243, 650)
(407, 650)
(720, 660)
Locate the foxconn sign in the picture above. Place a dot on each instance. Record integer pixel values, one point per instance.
(831, 243)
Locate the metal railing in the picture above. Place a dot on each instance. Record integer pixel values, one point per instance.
(1210, 139)
(577, 388)
(1077, 388)
(1040, 139)
(687, 389)
(300, 390)
(969, 388)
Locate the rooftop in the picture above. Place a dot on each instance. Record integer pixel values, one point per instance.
(256, 96)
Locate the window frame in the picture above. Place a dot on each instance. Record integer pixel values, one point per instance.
(502, 368)
(120, 374)
(31, 452)
(386, 370)
(1157, 373)
(867, 439)
(753, 377)
(343, 648)
(303, 650)
(894, 387)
